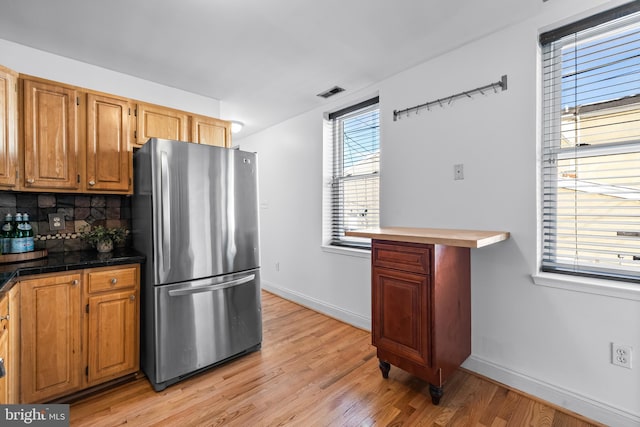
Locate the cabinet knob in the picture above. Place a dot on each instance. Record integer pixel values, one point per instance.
(92, 182)
(74, 282)
(114, 281)
(4, 317)
(30, 181)
(132, 298)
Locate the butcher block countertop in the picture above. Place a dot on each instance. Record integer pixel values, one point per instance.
(436, 236)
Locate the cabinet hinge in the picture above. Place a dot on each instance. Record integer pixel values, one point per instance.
(86, 308)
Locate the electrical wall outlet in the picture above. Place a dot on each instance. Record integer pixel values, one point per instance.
(621, 355)
(458, 172)
(56, 221)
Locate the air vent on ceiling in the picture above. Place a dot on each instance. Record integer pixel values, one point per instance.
(333, 91)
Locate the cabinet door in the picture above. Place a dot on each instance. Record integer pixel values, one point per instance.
(13, 365)
(50, 137)
(108, 155)
(113, 335)
(8, 128)
(401, 314)
(210, 131)
(4, 348)
(160, 122)
(51, 335)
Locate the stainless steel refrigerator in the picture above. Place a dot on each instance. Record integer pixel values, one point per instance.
(195, 217)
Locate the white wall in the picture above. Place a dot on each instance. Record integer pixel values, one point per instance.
(37, 63)
(291, 184)
(552, 343)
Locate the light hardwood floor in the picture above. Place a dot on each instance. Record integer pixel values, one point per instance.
(313, 371)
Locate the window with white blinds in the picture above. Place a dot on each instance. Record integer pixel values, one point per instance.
(591, 146)
(355, 180)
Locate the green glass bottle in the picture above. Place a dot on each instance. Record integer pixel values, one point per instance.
(17, 238)
(5, 235)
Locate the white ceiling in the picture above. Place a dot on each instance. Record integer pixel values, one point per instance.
(265, 60)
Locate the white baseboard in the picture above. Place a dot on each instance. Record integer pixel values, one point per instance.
(572, 401)
(341, 314)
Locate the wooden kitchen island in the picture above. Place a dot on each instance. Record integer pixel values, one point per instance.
(421, 298)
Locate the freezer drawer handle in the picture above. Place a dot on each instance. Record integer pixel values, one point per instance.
(209, 288)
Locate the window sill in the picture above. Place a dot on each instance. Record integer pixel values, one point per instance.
(610, 288)
(359, 253)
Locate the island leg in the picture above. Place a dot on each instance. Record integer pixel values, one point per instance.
(436, 393)
(384, 368)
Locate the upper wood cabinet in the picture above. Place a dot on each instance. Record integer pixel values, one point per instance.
(210, 131)
(61, 138)
(108, 166)
(50, 136)
(159, 122)
(8, 128)
(74, 141)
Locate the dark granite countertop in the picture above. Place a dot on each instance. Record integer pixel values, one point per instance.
(65, 261)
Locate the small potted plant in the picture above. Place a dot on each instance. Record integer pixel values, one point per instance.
(103, 238)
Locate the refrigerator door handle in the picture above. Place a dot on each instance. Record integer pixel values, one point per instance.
(210, 288)
(165, 213)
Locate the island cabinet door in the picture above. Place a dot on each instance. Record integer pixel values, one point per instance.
(401, 314)
(51, 337)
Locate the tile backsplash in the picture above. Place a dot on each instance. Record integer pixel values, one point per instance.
(81, 211)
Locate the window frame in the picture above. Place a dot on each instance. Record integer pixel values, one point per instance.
(333, 203)
(584, 279)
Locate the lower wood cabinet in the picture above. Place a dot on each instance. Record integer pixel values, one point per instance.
(4, 348)
(421, 309)
(114, 325)
(10, 346)
(51, 334)
(72, 337)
